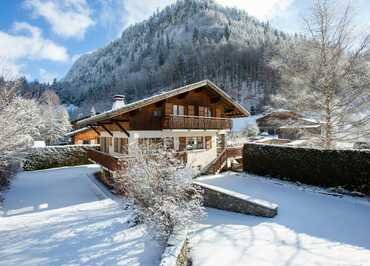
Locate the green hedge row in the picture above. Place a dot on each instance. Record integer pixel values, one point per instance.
(349, 169)
(55, 156)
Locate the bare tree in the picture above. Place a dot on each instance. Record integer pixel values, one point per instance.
(326, 74)
(161, 188)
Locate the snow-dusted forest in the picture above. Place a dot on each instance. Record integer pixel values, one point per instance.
(184, 43)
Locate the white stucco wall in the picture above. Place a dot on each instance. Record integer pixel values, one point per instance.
(196, 158)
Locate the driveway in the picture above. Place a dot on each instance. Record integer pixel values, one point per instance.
(64, 217)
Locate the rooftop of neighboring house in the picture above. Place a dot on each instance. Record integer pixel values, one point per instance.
(285, 118)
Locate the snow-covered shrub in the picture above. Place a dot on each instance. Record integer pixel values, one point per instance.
(55, 117)
(161, 188)
(20, 123)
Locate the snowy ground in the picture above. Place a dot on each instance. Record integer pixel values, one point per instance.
(63, 217)
(310, 229)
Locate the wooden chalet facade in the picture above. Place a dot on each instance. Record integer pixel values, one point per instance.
(193, 118)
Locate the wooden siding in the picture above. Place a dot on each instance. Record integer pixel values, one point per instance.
(89, 134)
(196, 122)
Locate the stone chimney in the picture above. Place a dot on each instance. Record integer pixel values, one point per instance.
(118, 102)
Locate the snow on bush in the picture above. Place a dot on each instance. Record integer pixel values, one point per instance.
(55, 116)
(161, 187)
(20, 122)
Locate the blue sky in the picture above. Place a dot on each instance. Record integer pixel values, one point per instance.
(42, 38)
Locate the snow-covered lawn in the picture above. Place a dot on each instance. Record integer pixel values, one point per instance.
(64, 217)
(311, 228)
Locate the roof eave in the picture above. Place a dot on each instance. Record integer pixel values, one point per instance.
(110, 114)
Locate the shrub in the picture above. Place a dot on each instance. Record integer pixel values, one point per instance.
(161, 188)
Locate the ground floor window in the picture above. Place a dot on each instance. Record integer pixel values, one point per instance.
(105, 142)
(195, 143)
(121, 145)
(150, 141)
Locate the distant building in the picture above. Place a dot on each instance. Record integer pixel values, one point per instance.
(288, 125)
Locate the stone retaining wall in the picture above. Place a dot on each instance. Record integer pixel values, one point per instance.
(176, 252)
(56, 156)
(224, 199)
(349, 169)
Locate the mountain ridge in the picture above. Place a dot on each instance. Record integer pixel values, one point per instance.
(186, 42)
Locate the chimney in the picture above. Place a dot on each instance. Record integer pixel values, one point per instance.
(118, 102)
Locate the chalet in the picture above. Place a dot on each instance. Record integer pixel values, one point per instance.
(83, 135)
(288, 125)
(194, 119)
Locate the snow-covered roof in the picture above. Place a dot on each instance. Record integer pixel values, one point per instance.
(159, 97)
(300, 126)
(74, 132)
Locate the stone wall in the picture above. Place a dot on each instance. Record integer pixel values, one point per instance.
(56, 156)
(176, 252)
(220, 198)
(349, 169)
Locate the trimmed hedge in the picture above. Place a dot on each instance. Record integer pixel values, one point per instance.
(56, 156)
(349, 169)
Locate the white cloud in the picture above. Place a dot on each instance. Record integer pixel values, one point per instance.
(261, 9)
(68, 18)
(26, 43)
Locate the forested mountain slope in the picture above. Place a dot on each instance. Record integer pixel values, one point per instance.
(186, 42)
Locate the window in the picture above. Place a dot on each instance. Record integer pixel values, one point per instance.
(178, 109)
(195, 143)
(121, 145)
(150, 141)
(207, 112)
(157, 112)
(105, 142)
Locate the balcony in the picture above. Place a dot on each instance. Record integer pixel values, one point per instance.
(108, 161)
(196, 122)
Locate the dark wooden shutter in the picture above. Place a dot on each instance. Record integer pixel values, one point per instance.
(191, 110)
(124, 146)
(182, 143)
(115, 142)
(208, 142)
(168, 109)
(201, 110)
(218, 112)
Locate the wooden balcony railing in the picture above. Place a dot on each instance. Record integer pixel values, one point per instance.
(196, 122)
(108, 161)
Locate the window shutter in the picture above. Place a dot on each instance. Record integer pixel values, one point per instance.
(124, 146)
(115, 141)
(182, 142)
(218, 112)
(201, 111)
(208, 142)
(168, 108)
(191, 110)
